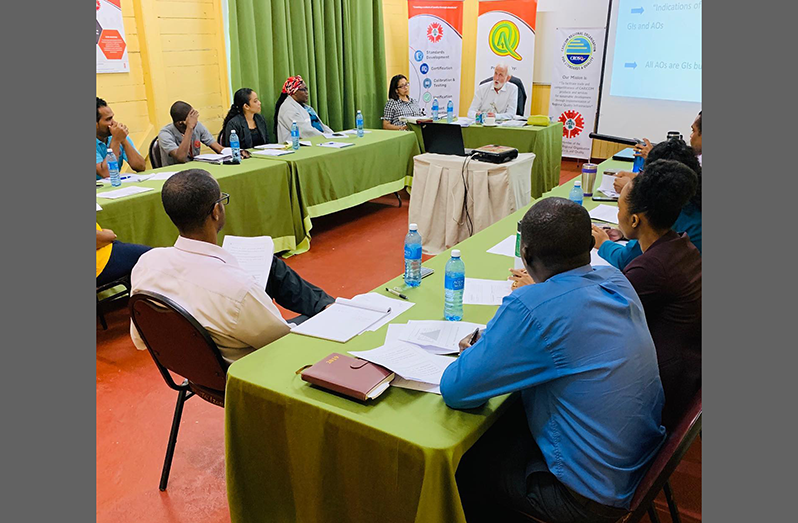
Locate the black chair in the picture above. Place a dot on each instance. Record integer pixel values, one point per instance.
(123, 281)
(178, 343)
(521, 93)
(155, 154)
(656, 479)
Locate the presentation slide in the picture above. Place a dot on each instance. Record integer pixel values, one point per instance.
(651, 82)
(658, 51)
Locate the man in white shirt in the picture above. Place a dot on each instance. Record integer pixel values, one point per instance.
(207, 281)
(499, 96)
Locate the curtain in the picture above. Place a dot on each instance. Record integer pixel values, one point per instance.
(336, 45)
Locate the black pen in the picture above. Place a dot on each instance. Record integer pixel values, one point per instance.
(474, 337)
(392, 291)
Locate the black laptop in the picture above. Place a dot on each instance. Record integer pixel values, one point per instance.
(443, 138)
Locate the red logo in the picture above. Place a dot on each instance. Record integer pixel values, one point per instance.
(98, 5)
(196, 144)
(435, 32)
(572, 124)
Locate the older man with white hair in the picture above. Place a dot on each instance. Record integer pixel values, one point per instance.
(499, 96)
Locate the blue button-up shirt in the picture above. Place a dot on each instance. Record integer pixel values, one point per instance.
(578, 348)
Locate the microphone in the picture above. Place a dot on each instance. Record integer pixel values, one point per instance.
(616, 139)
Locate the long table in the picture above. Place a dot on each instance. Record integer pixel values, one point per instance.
(276, 196)
(545, 142)
(295, 453)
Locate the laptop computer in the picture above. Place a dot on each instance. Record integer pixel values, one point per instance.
(444, 138)
(625, 155)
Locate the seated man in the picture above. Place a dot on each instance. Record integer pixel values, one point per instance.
(180, 140)
(113, 134)
(499, 96)
(576, 345)
(115, 259)
(208, 282)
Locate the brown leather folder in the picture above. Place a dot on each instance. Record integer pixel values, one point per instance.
(353, 377)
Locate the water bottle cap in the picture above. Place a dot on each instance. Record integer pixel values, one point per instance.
(455, 253)
(578, 183)
(293, 121)
(413, 227)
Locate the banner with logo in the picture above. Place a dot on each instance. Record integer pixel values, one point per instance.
(574, 88)
(110, 39)
(436, 45)
(506, 34)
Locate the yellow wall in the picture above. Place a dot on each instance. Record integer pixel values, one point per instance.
(396, 61)
(176, 52)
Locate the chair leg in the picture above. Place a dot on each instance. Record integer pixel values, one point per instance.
(398, 198)
(674, 510)
(101, 315)
(652, 514)
(170, 448)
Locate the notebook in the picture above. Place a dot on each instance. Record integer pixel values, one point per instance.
(344, 320)
(351, 377)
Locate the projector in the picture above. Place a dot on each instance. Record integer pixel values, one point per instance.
(495, 153)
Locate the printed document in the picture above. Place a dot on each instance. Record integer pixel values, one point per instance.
(253, 254)
(606, 185)
(342, 321)
(408, 361)
(486, 292)
(438, 337)
(336, 145)
(397, 306)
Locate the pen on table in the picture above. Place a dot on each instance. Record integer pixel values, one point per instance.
(392, 291)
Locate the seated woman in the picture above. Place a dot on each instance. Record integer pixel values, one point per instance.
(399, 104)
(292, 106)
(666, 276)
(114, 258)
(689, 219)
(245, 119)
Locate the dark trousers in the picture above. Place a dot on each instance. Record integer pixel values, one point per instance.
(505, 473)
(290, 291)
(123, 257)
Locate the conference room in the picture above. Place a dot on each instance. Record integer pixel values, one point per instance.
(418, 261)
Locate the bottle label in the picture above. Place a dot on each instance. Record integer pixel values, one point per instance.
(412, 251)
(113, 166)
(455, 283)
(518, 244)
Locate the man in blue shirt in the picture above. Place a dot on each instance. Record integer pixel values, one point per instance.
(576, 345)
(113, 134)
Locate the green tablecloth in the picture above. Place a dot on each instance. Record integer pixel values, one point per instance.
(263, 201)
(545, 142)
(298, 453)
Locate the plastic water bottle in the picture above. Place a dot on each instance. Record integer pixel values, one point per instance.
(454, 282)
(413, 257)
(576, 195)
(449, 112)
(294, 136)
(113, 168)
(359, 123)
(235, 146)
(435, 109)
(637, 166)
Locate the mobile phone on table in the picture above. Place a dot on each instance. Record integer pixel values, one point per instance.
(601, 197)
(426, 271)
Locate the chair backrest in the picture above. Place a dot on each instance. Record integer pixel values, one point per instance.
(669, 456)
(519, 110)
(176, 341)
(155, 154)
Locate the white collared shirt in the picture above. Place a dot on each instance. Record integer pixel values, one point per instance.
(504, 103)
(207, 281)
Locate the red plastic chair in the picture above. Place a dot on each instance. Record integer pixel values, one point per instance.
(178, 343)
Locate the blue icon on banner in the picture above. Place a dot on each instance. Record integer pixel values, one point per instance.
(424, 68)
(419, 56)
(427, 83)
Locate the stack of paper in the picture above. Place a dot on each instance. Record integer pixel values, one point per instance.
(438, 337)
(344, 320)
(213, 158)
(280, 146)
(335, 135)
(336, 145)
(420, 369)
(165, 175)
(378, 300)
(607, 187)
(353, 132)
(271, 152)
(463, 121)
(129, 178)
(605, 213)
(513, 123)
(253, 254)
(121, 193)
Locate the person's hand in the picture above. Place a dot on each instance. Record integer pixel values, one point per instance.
(192, 119)
(643, 149)
(619, 182)
(118, 131)
(105, 237)
(245, 154)
(466, 342)
(614, 234)
(600, 235)
(520, 277)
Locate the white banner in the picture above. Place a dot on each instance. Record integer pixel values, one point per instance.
(110, 38)
(574, 88)
(436, 46)
(506, 34)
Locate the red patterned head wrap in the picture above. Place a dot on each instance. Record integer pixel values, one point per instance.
(293, 84)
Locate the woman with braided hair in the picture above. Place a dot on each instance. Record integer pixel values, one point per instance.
(293, 106)
(244, 117)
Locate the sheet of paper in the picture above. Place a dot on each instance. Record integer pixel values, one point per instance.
(513, 123)
(271, 152)
(335, 135)
(354, 132)
(606, 213)
(253, 254)
(214, 158)
(463, 121)
(163, 176)
(125, 191)
(402, 383)
(98, 207)
(395, 332)
(438, 337)
(506, 247)
(129, 178)
(397, 306)
(271, 146)
(408, 361)
(485, 292)
(339, 322)
(598, 261)
(336, 145)
(606, 185)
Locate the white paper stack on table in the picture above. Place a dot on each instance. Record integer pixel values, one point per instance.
(607, 181)
(253, 254)
(126, 191)
(336, 145)
(129, 178)
(605, 213)
(165, 175)
(353, 132)
(225, 155)
(272, 152)
(335, 135)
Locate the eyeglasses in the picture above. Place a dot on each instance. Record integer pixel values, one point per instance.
(303, 89)
(224, 200)
(402, 86)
